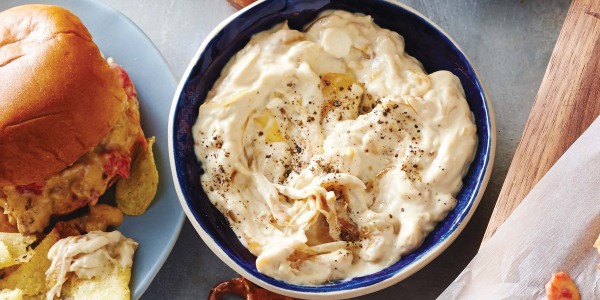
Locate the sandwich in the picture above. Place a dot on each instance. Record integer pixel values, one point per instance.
(69, 118)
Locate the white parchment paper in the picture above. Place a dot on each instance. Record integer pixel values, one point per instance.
(552, 230)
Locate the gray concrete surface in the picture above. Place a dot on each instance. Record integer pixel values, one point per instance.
(508, 41)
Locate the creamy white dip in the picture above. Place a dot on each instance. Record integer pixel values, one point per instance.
(331, 152)
(94, 254)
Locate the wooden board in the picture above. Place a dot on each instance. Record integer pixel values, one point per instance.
(567, 102)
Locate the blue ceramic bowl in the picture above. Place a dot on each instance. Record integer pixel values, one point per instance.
(424, 40)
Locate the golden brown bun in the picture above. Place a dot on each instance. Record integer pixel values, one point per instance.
(58, 96)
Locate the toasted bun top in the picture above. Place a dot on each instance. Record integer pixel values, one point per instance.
(58, 96)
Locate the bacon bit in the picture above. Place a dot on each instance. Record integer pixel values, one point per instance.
(115, 164)
(243, 288)
(33, 188)
(561, 287)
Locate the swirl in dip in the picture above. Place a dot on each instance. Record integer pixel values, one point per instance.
(331, 152)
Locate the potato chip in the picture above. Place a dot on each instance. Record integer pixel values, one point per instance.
(111, 283)
(29, 280)
(30, 277)
(5, 257)
(14, 248)
(135, 193)
(114, 286)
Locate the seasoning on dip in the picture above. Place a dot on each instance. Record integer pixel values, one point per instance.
(331, 152)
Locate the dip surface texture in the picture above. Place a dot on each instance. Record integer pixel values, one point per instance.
(331, 152)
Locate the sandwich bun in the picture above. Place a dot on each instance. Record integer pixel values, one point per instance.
(58, 96)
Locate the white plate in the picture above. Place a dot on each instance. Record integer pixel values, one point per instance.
(157, 230)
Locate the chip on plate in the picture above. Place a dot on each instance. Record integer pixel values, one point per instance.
(30, 277)
(114, 286)
(14, 249)
(135, 193)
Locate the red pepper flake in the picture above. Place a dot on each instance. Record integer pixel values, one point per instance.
(125, 81)
(116, 163)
